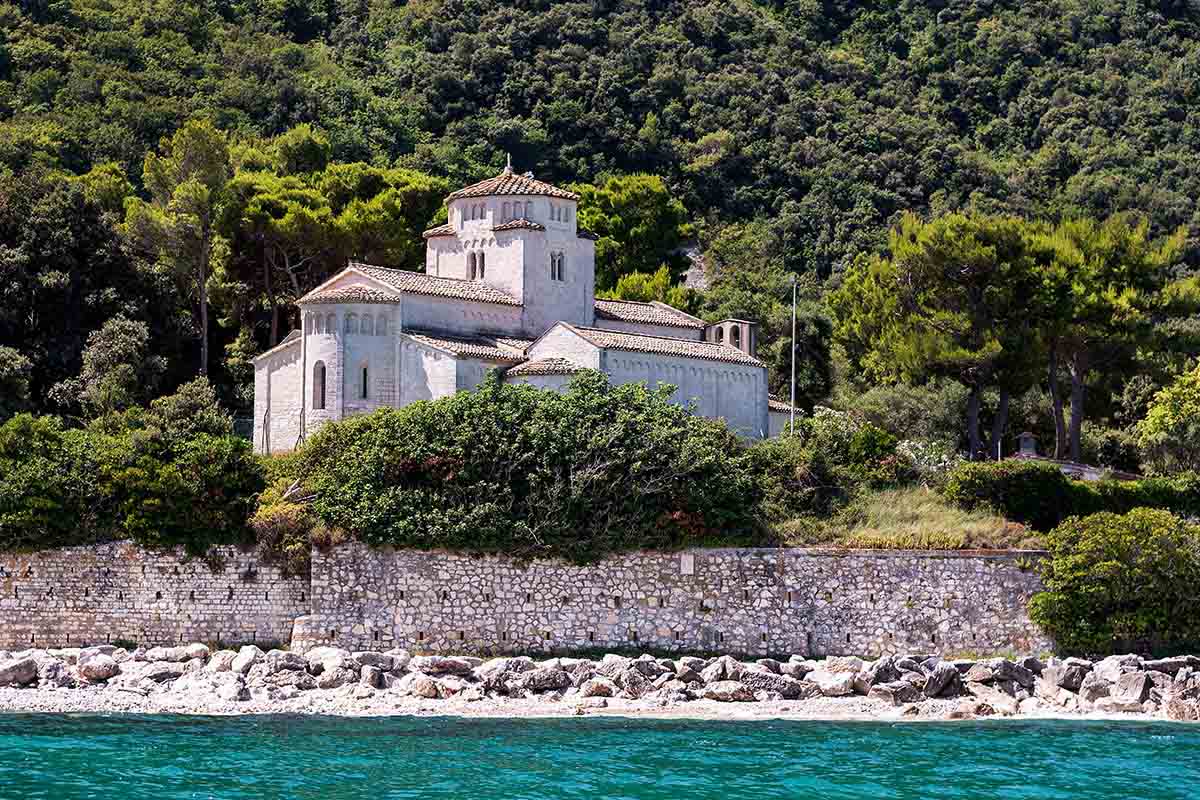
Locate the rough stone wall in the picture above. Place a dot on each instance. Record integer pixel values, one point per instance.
(118, 591)
(761, 601)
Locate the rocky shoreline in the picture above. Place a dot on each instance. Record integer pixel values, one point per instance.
(191, 679)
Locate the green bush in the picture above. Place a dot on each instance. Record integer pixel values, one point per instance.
(794, 479)
(1116, 583)
(1039, 495)
(173, 474)
(48, 493)
(509, 468)
(1032, 493)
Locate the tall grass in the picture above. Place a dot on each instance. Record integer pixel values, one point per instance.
(913, 518)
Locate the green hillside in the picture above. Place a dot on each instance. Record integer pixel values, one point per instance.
(789, 138)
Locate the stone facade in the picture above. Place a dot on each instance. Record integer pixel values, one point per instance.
(120, 592)
(750, 601)
(510, 262)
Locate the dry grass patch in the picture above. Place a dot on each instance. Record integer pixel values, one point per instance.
(910, 519)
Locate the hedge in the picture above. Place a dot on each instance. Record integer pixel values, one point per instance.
(1041, 496)
(1121, 583)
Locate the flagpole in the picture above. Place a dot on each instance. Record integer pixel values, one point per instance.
(792, 404)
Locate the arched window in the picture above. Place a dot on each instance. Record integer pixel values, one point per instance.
(318, 397)
(331, 324)
(363, 384)
(529, 210)
(720, 334)
(368, 325)
(313, 324)
(381, 325)
(504, 215)
(566, 216)
(351, 323)
(482, 211)
(471, 265)
(480, 262)
(735, 337)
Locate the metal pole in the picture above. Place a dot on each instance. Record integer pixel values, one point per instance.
(792, 403)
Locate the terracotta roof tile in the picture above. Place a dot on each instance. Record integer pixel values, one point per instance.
(667, 346)
(778, 404)
(519, 224)
(544, 366)
(440, 230)
(646, 313)
(420, 283)
(351, 294)
(512, 342)
(510, 183)
(484, 348)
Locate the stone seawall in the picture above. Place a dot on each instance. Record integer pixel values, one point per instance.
(121, 592)
(749, 601)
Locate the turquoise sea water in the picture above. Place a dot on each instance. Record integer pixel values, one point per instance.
(170, 758)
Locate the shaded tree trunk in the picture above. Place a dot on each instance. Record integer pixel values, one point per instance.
(1056, 401)
(999, 424)
(973, 403)
(1078, 373)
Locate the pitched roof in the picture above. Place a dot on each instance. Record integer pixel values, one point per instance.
(666, 346)
(440, 230)
(485, 348)
(351, 294)
(292, 338)
(509, 183)
(544, 366)
(421, 283)
(519, 224)
(778, 404)
(646, 313)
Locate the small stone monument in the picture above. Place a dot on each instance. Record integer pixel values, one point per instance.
(1027, 444)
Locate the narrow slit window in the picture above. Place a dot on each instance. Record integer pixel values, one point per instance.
(318, 401)
(364, 385)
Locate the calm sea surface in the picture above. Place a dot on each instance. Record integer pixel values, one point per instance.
(164, 758)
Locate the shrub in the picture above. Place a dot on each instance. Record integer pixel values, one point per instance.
(48, 491)
(285, 530)
(932, 461)
(1041, 496)
(1035, 494)
(794, 479)
(509, 468)
(173, 474)
(1121, 582)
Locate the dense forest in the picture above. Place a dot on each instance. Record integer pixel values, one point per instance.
(173, 173)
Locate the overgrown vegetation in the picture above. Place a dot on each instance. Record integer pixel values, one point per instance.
(170, 474)
(1121, 583)
(512, 469)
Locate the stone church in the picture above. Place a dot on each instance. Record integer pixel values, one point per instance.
(508, 285)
